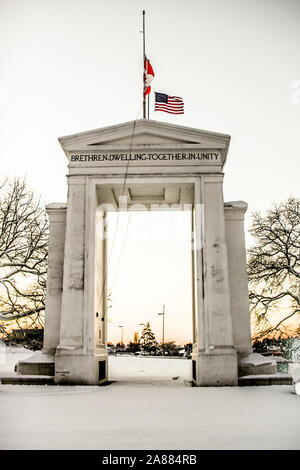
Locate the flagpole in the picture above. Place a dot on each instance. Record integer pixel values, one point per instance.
(144, 57)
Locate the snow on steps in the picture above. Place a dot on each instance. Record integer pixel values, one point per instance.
(38, 363)
(265, 379)
(257, 364)
(247, 380)
(15, 379)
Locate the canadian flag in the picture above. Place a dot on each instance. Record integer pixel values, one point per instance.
(148, 77)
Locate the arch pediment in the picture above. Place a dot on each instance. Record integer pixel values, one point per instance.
(144, 136)
(144, 132)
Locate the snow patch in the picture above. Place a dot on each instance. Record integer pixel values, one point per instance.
(256, 359)
(39, 356)
(141, 368)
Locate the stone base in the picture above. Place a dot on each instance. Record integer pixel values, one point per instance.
(256, 364)
(37, 364)
(267, 379)
(213, 370)
(27, 380)
(80, 369)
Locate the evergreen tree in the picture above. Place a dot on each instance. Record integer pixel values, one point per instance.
(148, 342)
(135, 345)
(170, 348)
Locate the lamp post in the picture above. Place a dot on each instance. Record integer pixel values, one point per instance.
(121, 326)
(163, 328)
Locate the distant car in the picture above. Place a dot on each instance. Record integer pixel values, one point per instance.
(274, 350)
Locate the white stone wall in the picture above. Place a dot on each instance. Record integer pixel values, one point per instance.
(57, 228)
(239, 297)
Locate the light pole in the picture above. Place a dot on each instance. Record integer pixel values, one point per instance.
(163, 328)
(121, 326)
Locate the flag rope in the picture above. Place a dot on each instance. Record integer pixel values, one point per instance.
(104, 284)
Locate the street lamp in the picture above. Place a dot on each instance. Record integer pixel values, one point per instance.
(121, 326)
(163, 328)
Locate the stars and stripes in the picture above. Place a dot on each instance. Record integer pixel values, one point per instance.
(168, 104)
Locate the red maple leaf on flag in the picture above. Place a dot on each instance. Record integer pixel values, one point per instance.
(148, 77)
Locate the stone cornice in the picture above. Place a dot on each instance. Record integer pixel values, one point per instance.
(235, 210)
(143, 134)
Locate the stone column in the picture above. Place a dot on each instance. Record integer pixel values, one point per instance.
(57, 226)
(239, 297)
(217, 358)
(76, 361)
(70, 363)
(71, 333)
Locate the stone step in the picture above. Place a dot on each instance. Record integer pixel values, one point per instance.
(35, 368)
(246, 381)
(27, 380)
(265, 379)
(38, 363)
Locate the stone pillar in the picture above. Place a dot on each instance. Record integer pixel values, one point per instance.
(76, 361)
(216, 361)
(71, 333)
(70, 358)
(57, 226)
(239, 296)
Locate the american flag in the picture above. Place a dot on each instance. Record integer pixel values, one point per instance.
(168, 104)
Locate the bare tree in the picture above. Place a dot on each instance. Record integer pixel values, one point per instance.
(23, 253)
(274, 268)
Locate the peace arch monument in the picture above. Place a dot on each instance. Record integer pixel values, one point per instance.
(136, 165)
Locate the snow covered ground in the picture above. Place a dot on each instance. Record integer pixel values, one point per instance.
(148, 411)
(10, 356)
(150, 370)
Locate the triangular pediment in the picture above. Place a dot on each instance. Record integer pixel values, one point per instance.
(146, 138)
(144, 133)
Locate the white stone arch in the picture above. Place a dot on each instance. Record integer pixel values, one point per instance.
(167, 164)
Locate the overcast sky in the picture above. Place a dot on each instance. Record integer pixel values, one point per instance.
(68, 66)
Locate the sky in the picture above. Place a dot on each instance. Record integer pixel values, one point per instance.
(70, 66)
(150, 267)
